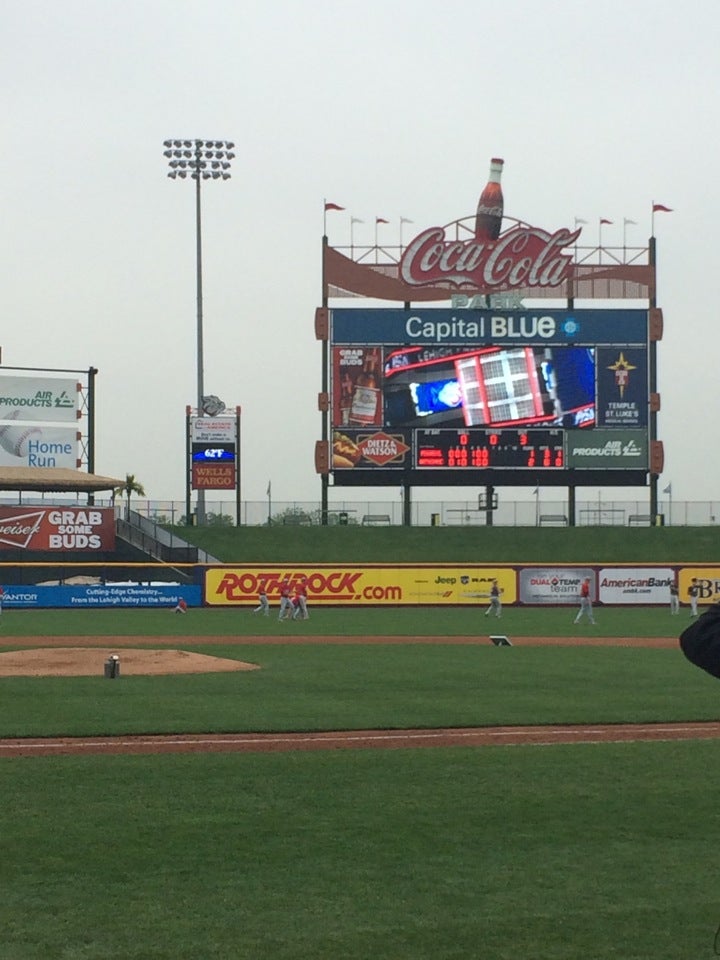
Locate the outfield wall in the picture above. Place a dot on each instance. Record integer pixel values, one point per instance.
(236, 585)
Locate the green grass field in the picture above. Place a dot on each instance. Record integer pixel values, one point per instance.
(554, 852)
(349, 621)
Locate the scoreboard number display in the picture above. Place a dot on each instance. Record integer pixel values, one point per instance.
(481, 449)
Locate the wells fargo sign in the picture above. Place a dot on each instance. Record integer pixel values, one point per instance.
(69, 528)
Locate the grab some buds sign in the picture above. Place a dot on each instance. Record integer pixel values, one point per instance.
(72, 528)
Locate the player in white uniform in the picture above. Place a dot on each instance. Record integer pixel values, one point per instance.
(586, 609)
(495, 601)
(693, 591)
(263, 606)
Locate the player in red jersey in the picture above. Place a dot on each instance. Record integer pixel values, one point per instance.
(286, 606)
(585, 602)
(301, 610)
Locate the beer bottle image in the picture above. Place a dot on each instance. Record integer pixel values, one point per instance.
(347, 389)
(488, 218)
(366, 396)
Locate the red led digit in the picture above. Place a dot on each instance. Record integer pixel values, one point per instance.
(493, 439)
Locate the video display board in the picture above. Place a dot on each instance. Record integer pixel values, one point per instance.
(454, 397)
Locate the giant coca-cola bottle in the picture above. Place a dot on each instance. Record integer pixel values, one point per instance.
(490, 205)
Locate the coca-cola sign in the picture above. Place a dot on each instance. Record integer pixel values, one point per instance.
(66, 528)
(520, 257)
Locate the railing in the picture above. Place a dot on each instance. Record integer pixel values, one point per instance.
(152, 538)
(152, 516)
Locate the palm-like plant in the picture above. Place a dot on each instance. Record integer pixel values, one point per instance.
(128, 488)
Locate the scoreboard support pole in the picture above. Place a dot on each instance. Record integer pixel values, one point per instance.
(489, 507)
(652, 357)
(571, 506)
(407, 505)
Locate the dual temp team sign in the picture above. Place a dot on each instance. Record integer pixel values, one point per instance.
(38, 422)
(433, 396)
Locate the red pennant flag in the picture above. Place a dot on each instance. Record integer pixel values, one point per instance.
(603, 220)
(660, 208)
(333, 206)
(380, 220)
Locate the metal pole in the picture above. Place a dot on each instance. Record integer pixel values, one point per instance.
(325, 415)
(238, 463)
(92, 371)
(200, 357)
(652, 364)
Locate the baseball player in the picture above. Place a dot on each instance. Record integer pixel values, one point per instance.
(263, 606)
(585, 602)
(495, 602)
(286, 604)
(674, 598)
(693, 593)
(181, 606)
(301, 610)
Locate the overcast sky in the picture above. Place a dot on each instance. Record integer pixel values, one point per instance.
(389, 108)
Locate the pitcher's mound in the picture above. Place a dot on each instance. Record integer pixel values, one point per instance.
(89, 662)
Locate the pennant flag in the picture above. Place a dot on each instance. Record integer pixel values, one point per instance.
(333, 206)
(405, 220)
(269, 488)
(668, 489)
(660, 208)
(578, 220)
(633, 222)
(603, 220)
(380, 220)
(356, 220)
(536, 491)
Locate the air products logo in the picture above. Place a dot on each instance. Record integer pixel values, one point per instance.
(608, 449)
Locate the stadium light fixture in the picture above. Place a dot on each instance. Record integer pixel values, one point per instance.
(199, 160)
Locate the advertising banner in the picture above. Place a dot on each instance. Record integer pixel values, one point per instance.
(622, 387)
(212, 429)
(607, 449)
(643, 585)
(376, 585)
(369, 449)
(110, 595)
(708, 583)
(434, 326)
(30, 445)
(50, 528)
(35, 399)
(553, 585)
(209, 475)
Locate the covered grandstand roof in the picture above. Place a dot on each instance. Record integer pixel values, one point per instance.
(54, 480)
